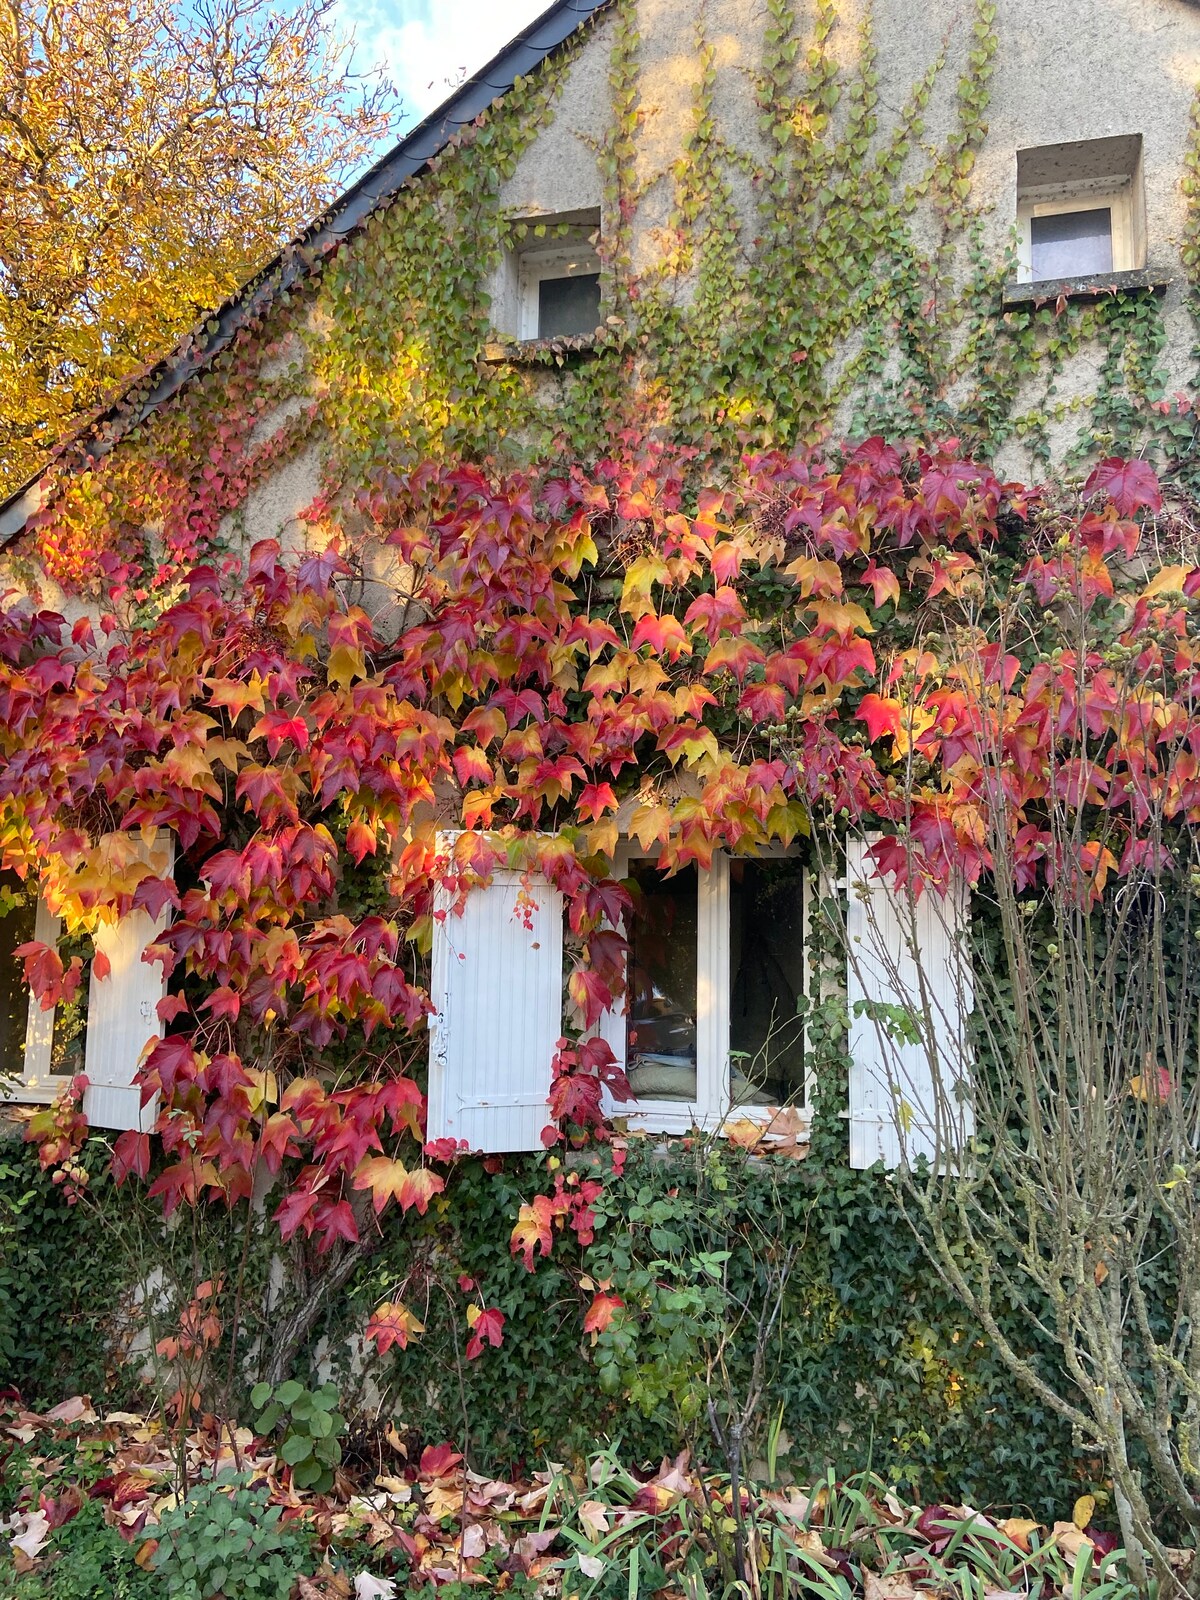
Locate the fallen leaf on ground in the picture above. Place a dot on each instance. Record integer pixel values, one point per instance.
(28, 1532)
(1018, 1529)
(892, 1586)
(1070, 1540)
(367, 1587)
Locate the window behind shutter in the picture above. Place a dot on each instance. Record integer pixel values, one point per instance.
(122, 1014)
(497, 993)
(906, 1100)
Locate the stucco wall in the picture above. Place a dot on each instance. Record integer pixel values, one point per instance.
(1064, 70)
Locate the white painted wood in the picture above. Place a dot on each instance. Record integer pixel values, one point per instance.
(907, 1100)
(497, 990)
(37, 1078)
(713, 979)
(122, 1014)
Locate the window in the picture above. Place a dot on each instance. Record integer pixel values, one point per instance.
(547, 285)
(710, 1023)
(1080, 209)
(40, 1050)
(559, 293)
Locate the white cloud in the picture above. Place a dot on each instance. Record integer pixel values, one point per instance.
(428, 46)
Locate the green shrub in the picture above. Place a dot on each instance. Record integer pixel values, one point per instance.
(310, 1444)
(84, 1560)
(226, 1539)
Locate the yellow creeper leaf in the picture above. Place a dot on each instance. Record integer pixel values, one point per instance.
(345, 664)
(1168, 580)
(650, 824)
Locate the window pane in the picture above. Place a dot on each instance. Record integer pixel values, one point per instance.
(70, 1020)
(568, 306)
(1075, 245)
(18, 911)
(766, 962)
(660, 1039)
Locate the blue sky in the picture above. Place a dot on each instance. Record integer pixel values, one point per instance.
(428, 46)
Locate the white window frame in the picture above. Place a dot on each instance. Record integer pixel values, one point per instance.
(534, 266)
(713, 1106)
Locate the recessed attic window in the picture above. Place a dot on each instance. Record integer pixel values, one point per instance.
(560, 294)
(1080, 209)
(554, 278)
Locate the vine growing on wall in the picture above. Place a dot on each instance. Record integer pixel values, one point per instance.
(604, 571)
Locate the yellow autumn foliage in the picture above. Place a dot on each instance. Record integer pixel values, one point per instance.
(152, 156)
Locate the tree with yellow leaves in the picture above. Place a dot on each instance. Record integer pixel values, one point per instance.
(153, 154)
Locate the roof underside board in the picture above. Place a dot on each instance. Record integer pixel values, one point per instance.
(376, 186)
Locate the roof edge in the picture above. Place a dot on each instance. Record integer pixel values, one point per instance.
(534, 44)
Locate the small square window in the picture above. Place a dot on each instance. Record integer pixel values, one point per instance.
(559, 293)
(568, 305)
(1080, 209)
(1072, 244)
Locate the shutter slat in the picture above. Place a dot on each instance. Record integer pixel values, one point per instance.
(902, 1106)
(497, 996)
(123, 1016)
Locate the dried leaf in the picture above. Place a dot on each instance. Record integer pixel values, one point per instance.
(1018, 1529)
(892, 1586)
(1069, 1539)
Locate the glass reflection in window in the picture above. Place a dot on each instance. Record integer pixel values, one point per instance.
(660, 1038)
(1075, 244)
(568, 306)
(766, 963)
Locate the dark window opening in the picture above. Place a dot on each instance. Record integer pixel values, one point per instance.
(660, 1037)
(18, 915)
(1075, 244)
(69, 1042)
(568, 306)
(766, 966)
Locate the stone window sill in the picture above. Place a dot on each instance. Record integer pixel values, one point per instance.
(1055, 289)
(539, 352)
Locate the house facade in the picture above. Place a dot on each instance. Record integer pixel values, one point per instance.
(732, 227)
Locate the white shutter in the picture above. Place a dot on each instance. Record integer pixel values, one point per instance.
(497, 993)
(122, 1014)
(906, 1100)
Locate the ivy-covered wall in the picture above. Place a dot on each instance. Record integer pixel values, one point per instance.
(807, 212)
(874, 1364)
(807, 222)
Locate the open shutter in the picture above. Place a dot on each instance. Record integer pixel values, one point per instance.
(122, 1014)
(906, 1100)
(497, 993)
